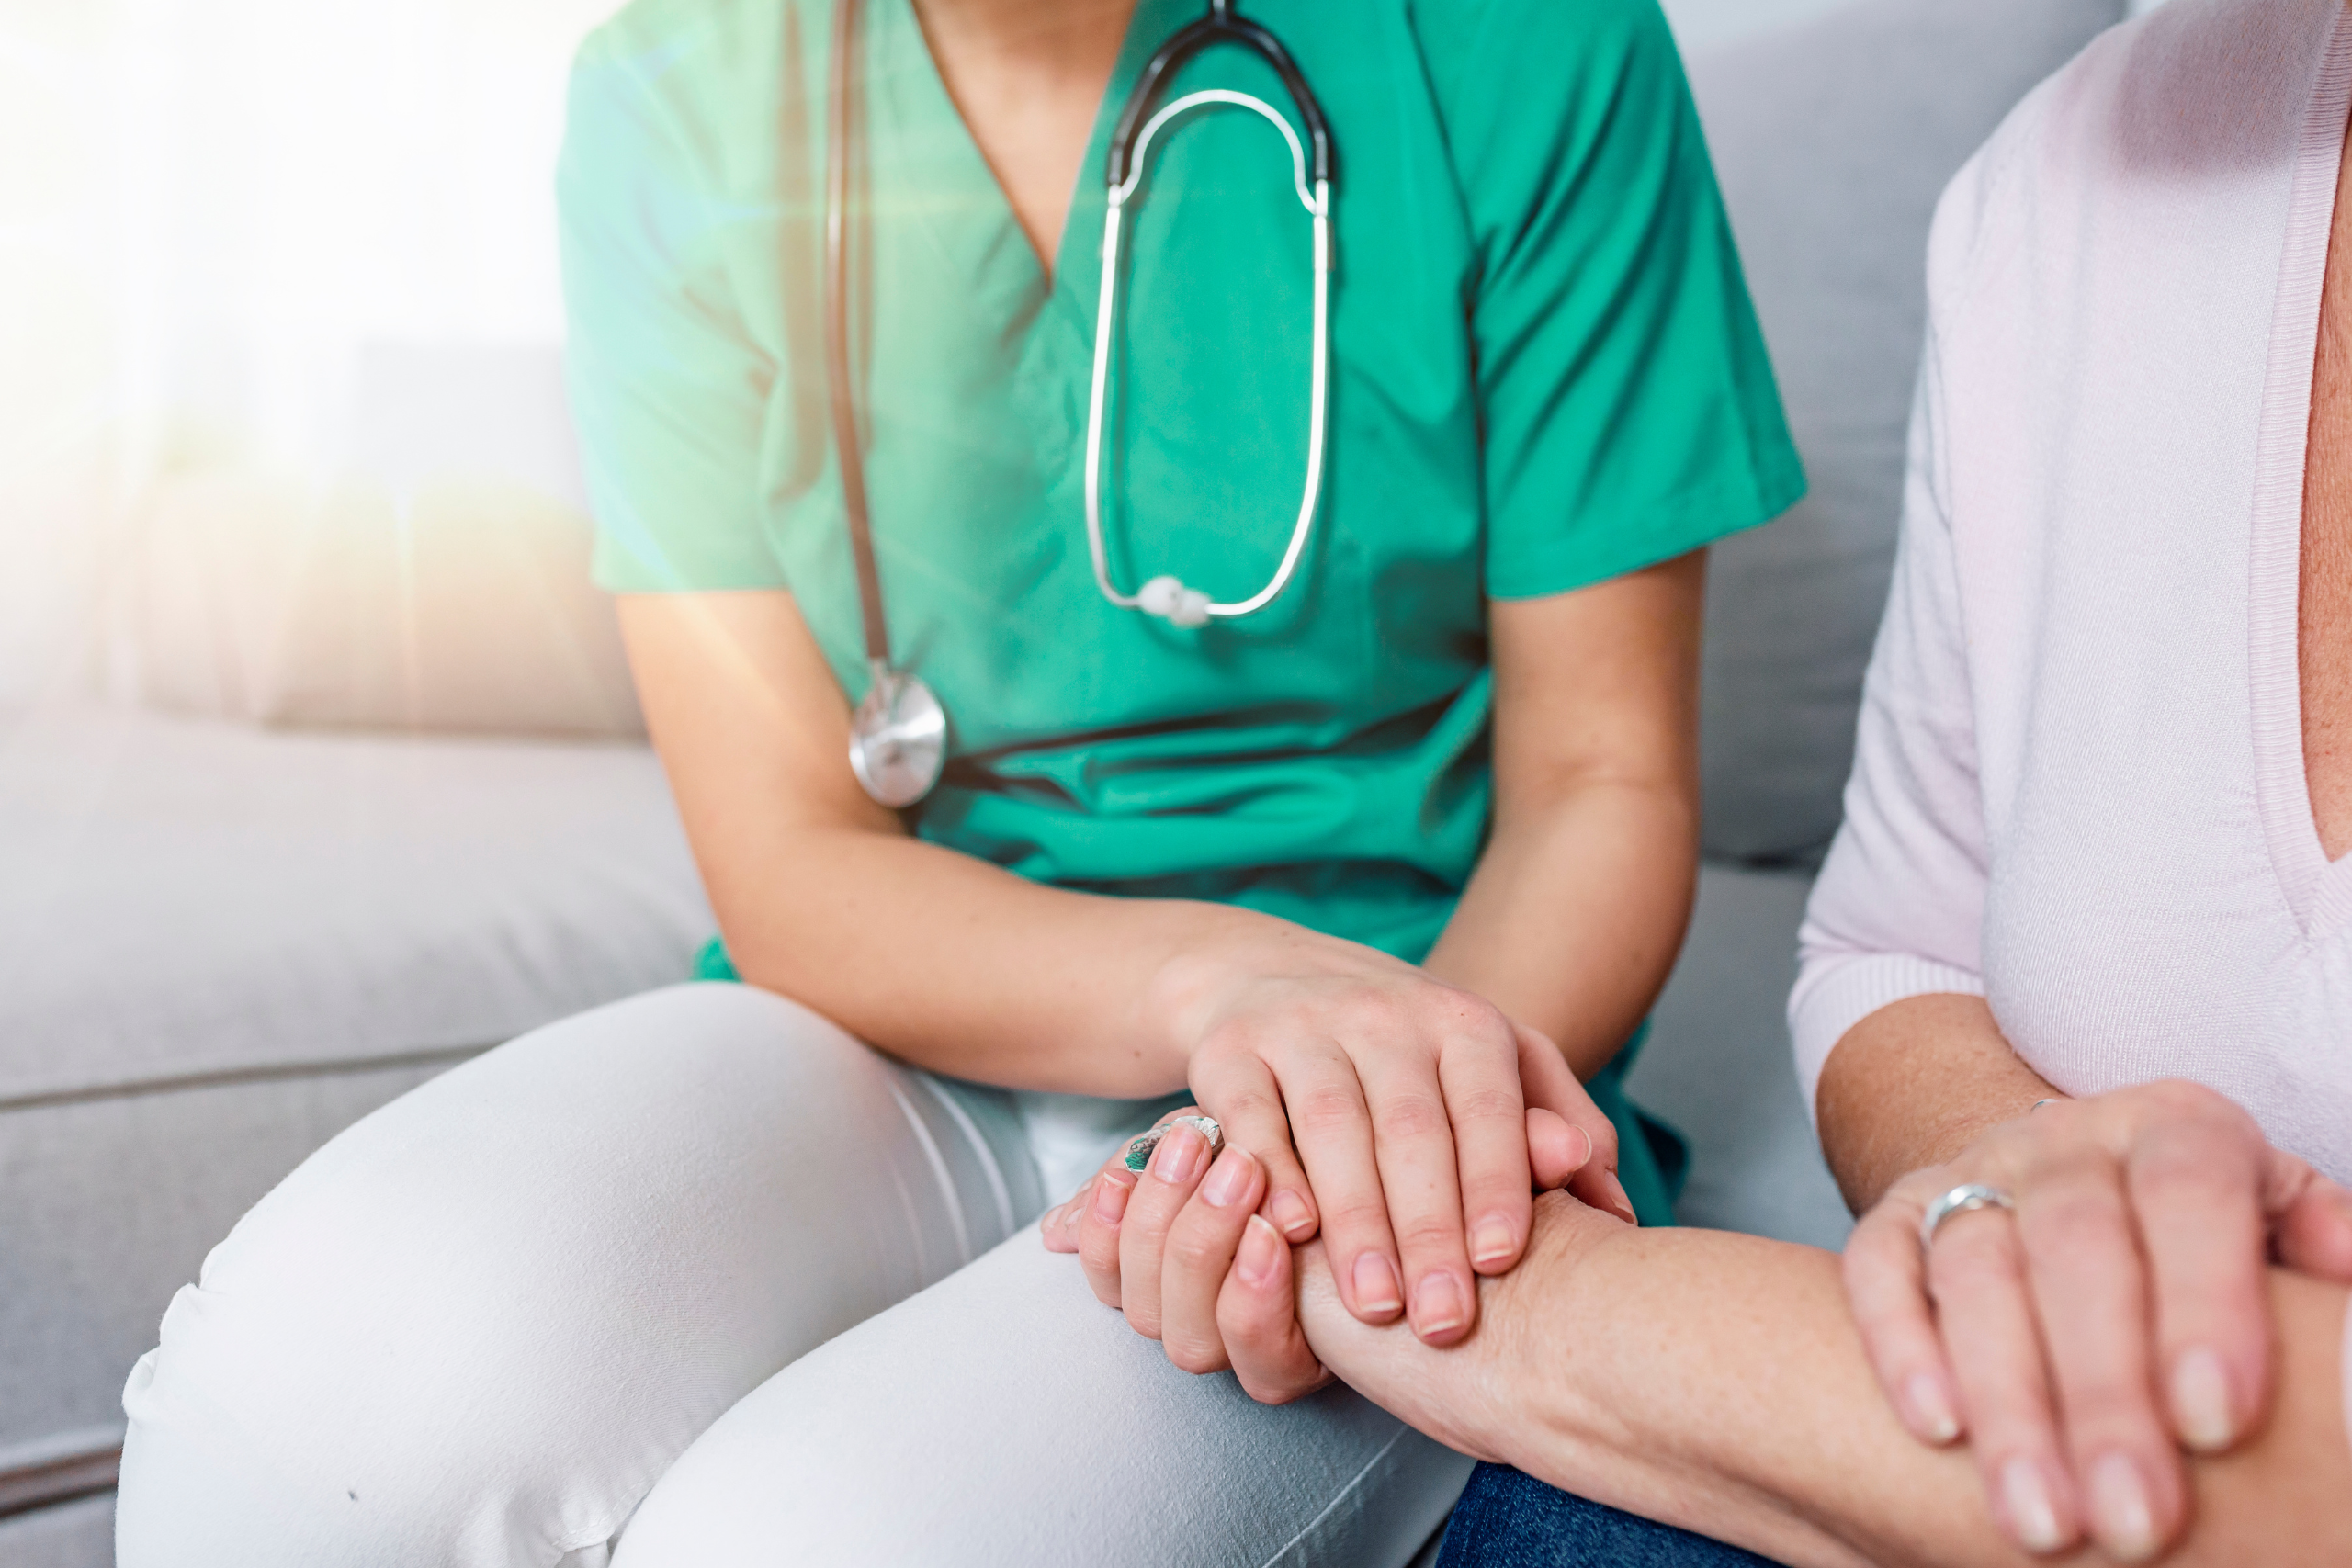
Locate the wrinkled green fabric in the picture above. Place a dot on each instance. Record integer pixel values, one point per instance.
(1546, 374)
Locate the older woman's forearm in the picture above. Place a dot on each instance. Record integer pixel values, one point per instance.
(1911, 1085)
(1716, 1382)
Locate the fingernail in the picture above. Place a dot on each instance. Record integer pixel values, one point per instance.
(2026, 1497)
(1931, 1413)
(1111, 1198)
(1260, 1251)
(1375, 1283)
(2121, 1517)
(1492, 1240)
(1624, 1206)
(1437, 1307)
(1228, 1178)
(2200, 1401)
(1179, 1158)
(1292, 1216)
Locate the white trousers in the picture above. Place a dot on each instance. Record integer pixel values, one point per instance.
(697, 1280)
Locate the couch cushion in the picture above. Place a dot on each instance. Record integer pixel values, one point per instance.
(219, 946)
(186, 898)
(113, 1201)
(1718, 1066)
(1833, 137)
(71, 1535)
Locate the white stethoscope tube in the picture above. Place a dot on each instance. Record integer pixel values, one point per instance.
(1165, 596)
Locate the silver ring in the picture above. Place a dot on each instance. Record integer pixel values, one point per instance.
(1139, 1150)
(1961, 1200)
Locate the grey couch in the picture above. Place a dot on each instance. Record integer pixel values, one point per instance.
(220, 943)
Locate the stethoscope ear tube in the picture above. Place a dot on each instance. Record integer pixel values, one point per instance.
(840, 396)
(1166, 597)
(898, 734)
(1220, 26)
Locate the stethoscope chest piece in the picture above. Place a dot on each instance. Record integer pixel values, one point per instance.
(898, 738)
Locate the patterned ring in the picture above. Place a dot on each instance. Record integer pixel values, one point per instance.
(1139, 1151)
(1962, 1199)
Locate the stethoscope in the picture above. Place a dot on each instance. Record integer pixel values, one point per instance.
(898, 740)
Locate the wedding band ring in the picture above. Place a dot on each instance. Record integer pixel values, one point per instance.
(1139, 1151)
(1961, 1200)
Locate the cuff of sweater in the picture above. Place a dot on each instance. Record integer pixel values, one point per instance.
(1835, 993)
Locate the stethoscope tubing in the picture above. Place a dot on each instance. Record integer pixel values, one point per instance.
(840, 396)
(898, 733)
(1318, 202)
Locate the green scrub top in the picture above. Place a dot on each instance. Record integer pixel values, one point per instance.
(1546, 373)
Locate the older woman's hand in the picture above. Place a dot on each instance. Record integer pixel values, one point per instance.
(1184, 1251)
(2120, 1305)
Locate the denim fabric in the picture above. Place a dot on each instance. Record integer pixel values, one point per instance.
(1506, 1519)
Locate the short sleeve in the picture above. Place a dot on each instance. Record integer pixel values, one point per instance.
(668, 390)
(1629, 410)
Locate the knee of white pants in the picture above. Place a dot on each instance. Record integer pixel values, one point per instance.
(474, 1328)
(1006, 1420)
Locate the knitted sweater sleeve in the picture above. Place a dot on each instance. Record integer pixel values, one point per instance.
(1899, 904)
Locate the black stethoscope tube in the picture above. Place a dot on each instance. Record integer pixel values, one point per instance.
(1220, 26)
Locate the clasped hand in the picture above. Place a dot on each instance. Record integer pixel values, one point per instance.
(2117, 1314)
(1406, 1122)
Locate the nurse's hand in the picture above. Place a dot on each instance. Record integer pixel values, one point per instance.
(1182, 1249)
(1387, 1108)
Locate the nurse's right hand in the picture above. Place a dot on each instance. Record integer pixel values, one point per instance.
(1389, 1112)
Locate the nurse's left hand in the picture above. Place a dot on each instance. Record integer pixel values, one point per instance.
(1183, 1250)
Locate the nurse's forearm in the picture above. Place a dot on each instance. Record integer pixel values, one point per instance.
(1578, 905)
(1575, 914)
(933, 955)
(1715, 1382)
(967, 969)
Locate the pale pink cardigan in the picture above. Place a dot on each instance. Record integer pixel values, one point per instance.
(2079, 788)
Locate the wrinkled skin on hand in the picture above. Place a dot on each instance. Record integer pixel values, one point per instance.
(2120, 1315)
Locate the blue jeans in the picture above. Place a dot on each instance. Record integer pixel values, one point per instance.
(1509, 1520)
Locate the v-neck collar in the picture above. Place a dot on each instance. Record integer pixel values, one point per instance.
(2318, 891)
(925, 164)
